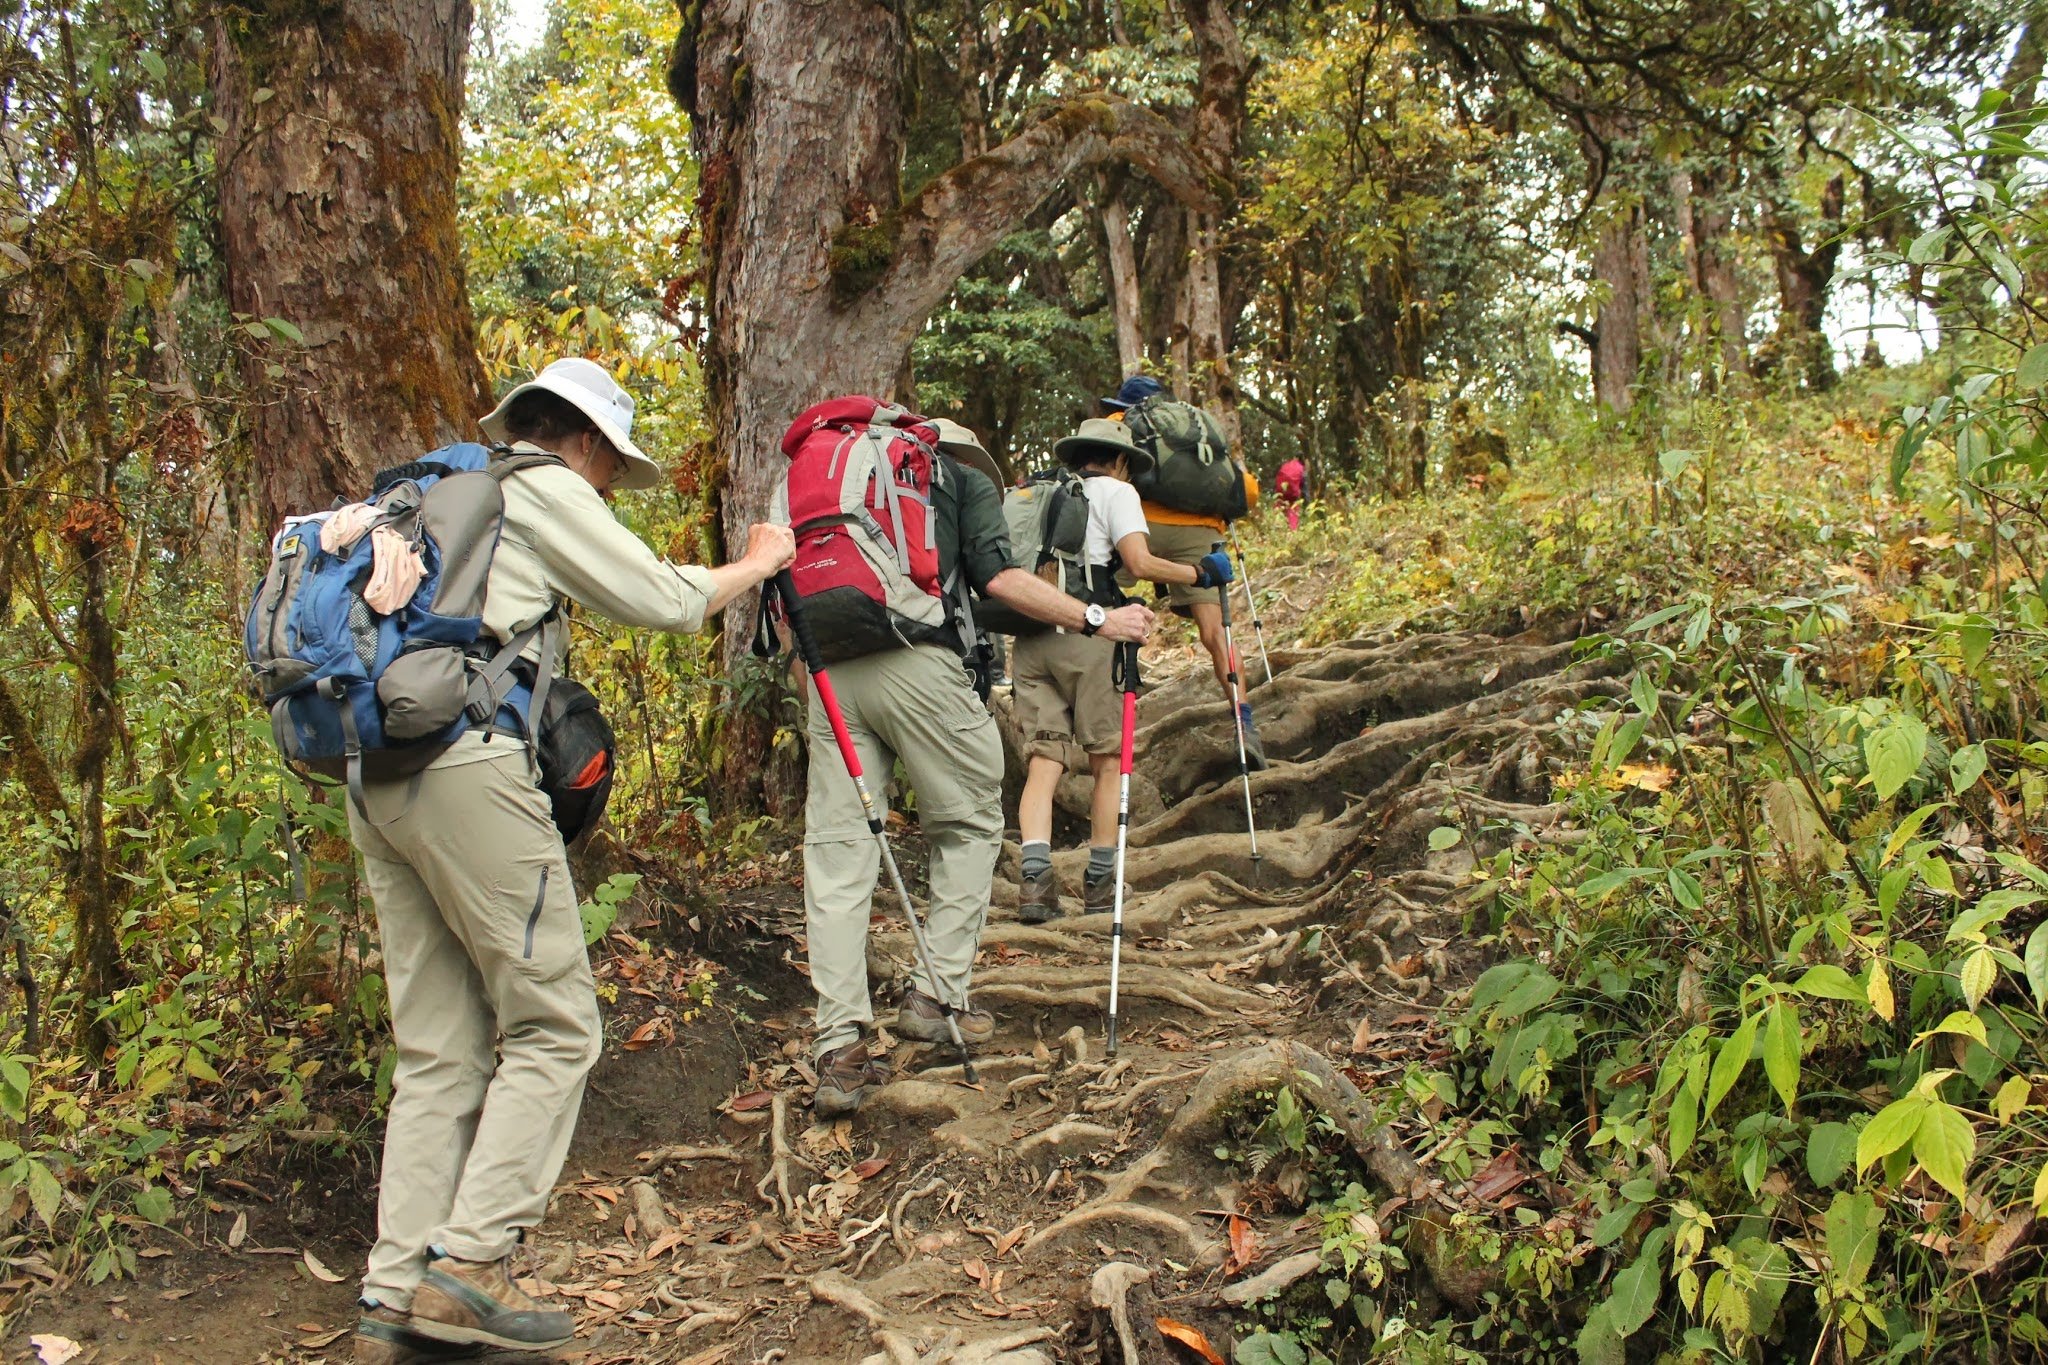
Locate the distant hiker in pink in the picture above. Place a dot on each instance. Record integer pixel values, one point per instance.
(1291, 485)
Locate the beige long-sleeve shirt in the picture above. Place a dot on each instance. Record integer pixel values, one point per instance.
(562, 543)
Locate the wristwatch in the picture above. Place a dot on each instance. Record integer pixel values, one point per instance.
(1095, 617)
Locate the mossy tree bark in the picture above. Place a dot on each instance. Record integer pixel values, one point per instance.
(819, 273)
(337, 187)
(1805, 278)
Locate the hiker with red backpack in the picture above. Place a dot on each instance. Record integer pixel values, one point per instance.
(407, 646)
(1192, 490)
(1290, 483)
(899, 525)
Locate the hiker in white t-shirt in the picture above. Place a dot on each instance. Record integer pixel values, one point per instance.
(1066, 698)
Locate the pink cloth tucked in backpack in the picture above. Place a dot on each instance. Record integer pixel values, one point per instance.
(396, 571)
(346, 527)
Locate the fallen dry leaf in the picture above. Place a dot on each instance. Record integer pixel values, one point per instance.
(976, 1270)
(239, 1233)
(645, 1036)
(1190, 1337)
(319, 1271)
(872, 1167)
(1008, 1241)
(1244, 1246)
(1649, 777)
(757, 1099)
(1501, 1174)
(328, 1338)
(1361, 1040)
(54, 1350)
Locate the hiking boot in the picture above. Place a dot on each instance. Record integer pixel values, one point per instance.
(1101, 896)
(385, 1336)
(1254, 752)
(844, 1076)
(919, 1017)
(476, 1302)
(1039, 898)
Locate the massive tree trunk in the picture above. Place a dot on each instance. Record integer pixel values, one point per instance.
(818, 274)
(1705, 215)
(1122, 259)
(1804, 280)
(1216, 130)
(337, 186)
(1621, 264)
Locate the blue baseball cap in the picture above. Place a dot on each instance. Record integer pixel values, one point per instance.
(1136, 390)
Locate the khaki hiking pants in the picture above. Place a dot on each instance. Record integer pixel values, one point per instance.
(915, 705)
(492, 1005)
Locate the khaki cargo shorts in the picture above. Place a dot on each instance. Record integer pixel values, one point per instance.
(1182, 545)
(1066, 699)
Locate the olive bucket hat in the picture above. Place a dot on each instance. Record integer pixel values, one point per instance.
(964, 446)
(1100, 438)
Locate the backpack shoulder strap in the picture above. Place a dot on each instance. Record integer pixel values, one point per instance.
(506, 462)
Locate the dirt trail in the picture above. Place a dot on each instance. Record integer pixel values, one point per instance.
(1054, 1211)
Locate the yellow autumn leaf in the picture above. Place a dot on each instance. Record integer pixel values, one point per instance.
(2012, 1098)
(1880, 990)
(1979, 975)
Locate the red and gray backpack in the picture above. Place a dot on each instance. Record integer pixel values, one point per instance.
(859, 499)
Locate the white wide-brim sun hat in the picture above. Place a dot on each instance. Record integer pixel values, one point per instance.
(591, 390)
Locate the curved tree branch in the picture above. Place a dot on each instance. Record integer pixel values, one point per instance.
(959, 217)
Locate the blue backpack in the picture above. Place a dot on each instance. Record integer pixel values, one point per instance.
(359, 696)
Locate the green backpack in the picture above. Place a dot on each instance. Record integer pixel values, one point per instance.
(1191, 468)
(1047, 522)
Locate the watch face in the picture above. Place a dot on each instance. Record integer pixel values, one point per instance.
(1096, 615)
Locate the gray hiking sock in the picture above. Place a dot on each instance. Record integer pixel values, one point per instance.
(1101, 862)
(1037, 859)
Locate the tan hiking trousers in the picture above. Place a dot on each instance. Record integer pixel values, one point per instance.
(492, 1006)
(915, 705)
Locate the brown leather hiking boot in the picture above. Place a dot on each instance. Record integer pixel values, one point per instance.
(1039, 899)
(476, 1302)
(920, 1018)
(844, 1076)
(385, 1336)
(1101, 896)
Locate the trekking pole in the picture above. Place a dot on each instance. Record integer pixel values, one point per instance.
(1252, 600)
(1125, 676)
(1244, 770)
(807, 646)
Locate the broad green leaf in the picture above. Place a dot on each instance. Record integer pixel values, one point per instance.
(1443, 837)
(1893, 753)
(1637, 1288)
(1781, 1051)
(44, 1193)
(154, 1203)
(1853, 1221)
(1830, 1147)
(1615, 1222)
(2033, 369)
(1729, 1062)
(1962, 1023)
(1979, 975)
(1684, 1118)
(1943, 1144)
(1966, 765)
(1891, 1130)
(158, 70)
(2012, 1098)
(1685, 889)
(1991, 909)
(1928, 245)
(2037, 964)
(1909, 827)
(1598, 1343)
(285, 330)
(1935, 871)
(1826, 981)
(2041, 1189)
(1643, 693)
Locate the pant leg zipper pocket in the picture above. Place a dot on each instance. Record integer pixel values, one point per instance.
(540, 899)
